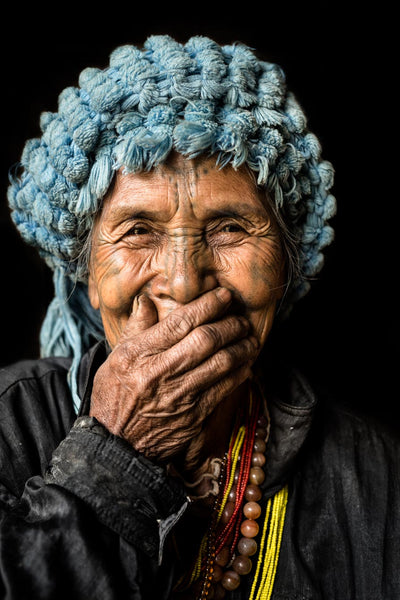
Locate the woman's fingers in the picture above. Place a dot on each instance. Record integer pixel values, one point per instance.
(203, 342)
(187, 336)
(143, 316)
(220, 365)
(179, 323)
(202, 388)
(162, 358)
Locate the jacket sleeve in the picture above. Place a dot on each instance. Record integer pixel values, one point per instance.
(93, 527)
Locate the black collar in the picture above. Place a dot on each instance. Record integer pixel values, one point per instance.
(90, 362)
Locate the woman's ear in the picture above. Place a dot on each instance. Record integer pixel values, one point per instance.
(93, 293)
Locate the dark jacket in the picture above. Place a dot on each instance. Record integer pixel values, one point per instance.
(84, 516)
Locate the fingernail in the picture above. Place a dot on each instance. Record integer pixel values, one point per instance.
(135, 305)
(244, 321)
(224, 294)
(254, 341)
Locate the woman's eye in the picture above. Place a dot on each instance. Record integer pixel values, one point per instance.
(138, 230)
(226, 234)
(231, 228)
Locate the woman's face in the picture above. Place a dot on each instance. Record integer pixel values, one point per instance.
(178, 231)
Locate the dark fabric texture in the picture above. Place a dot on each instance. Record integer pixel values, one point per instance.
(84, 516)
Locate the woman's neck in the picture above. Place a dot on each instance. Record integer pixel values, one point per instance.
(212, 443)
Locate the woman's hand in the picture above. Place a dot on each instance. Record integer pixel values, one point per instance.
(163, 379)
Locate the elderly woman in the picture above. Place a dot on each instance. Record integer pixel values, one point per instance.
(159, 448)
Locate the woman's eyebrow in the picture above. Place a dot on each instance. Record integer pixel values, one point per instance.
(244, 212)
(124, 213)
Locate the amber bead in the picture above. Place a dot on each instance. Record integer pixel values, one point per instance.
(227, 512)
(256, 475)
(252, 493)
(217, 573)
(252, 510)
(242, 565)
(247, 546)
(260, 433)
(262, 421)
(259, 445)
(258, 459)
(232, 494)
(249, 528)
(230, 580)
(222, 557)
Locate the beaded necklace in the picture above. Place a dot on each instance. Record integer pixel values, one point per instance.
(226, 548)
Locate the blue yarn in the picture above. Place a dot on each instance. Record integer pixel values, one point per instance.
(194, 98)
(70, 325)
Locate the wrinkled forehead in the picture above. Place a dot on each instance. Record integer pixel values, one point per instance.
(198, 185)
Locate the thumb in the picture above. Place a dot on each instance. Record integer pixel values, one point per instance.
(144, 315)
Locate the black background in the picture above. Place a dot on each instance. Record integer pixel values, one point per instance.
(339, 60)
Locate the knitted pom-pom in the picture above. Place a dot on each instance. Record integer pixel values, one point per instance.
(196, 132)
(295, 119)
(242, 76)
(175, 67)
(236, 128)
(81, 120)
(95, 187)
(271, 90)
(211, 66)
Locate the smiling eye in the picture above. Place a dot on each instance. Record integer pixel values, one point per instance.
(226, 234)
(231, 228)
(138, 230)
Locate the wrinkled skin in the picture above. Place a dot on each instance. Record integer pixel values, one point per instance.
(187, 269)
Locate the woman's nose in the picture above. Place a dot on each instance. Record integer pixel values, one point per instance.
(185, 270)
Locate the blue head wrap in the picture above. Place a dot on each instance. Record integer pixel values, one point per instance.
(194, 98)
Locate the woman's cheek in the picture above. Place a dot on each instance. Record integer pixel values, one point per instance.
(117, 281)
(255, 273)
(262, 321)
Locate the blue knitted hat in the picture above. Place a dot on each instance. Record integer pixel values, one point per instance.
(194, 98)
